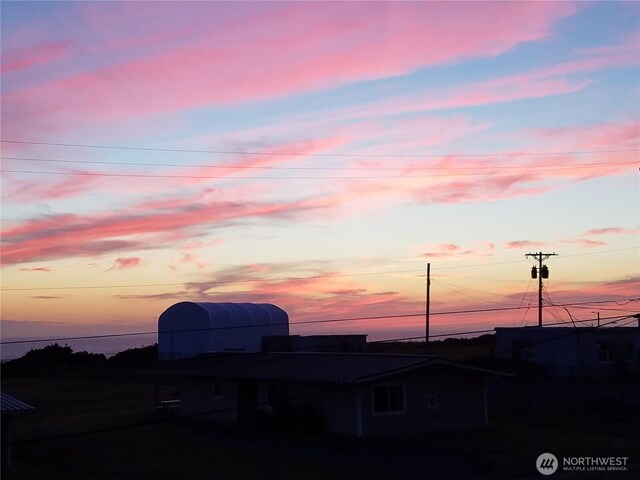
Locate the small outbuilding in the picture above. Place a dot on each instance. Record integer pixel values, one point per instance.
(573, 351)
(11, 408)
(188, 328)
(352, 394)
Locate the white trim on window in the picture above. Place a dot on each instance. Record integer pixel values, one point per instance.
(390, 399)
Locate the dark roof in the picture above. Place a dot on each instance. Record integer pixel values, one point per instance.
(302, 367)
(569, 327)
(264, 314)
(13, 405)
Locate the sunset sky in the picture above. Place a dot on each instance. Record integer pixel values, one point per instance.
(317, 156)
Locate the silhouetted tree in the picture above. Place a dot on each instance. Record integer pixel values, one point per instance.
(51, 356)
(136, 355)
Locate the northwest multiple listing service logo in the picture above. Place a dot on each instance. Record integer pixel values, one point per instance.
(548, 464)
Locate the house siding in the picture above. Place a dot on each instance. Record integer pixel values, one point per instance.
(197, 399)
(568, 352)
(435, 398)
(348, 409)
(460, 404)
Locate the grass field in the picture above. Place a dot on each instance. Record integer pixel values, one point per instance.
(53, 443)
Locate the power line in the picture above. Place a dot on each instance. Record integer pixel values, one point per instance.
(458, 289)
(606, 309)
(459, 292)
(244, 177)
(339, 155)
(271, 167)
(520, 262)
(305, 322)
(473, 332)
(228, 282)
(229, 327)
(214, 177)
(228, 409)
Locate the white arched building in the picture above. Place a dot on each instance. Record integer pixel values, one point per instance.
(187, 329)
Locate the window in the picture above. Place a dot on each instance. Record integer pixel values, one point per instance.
(628, 352)
(607, 351)
(388, 399)
(432, 401)
(218, 389)
(277, 395)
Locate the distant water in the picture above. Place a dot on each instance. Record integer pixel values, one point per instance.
(125, 336)
(109, 346)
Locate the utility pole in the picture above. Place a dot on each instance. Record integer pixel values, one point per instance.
(426, 314)
(541, 272)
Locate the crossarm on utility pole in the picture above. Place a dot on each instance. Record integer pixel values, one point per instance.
(540, 256)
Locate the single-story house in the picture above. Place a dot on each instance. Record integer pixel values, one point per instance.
(354, 394)
(572, 351)
(10, 407)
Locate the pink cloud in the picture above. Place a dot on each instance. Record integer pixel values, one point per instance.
(320, 295)
(43, 249)
(491, 188)
(37, 269)
(522, 244)
(62, 236)
(47, 187)
(489, 246)
(503, 90)
(584, 242)
(612, 231)
(69, 183)
(197, 244)
(191, 260)
(604, 136)
(47, 52)
(326, 295)
(291, 48)
(126, 263)
(445, 250)
(555, 80)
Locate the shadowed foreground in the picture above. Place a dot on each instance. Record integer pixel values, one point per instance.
(194, 449)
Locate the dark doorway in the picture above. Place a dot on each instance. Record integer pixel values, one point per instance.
(247, 403)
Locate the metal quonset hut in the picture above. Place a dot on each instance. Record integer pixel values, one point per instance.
(188, 328)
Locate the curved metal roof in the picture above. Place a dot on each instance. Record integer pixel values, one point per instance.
(235, 313)
(191, 328)
(249, 312)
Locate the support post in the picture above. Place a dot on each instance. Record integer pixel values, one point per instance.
(426, 315)
(540, 257)
(540, 289)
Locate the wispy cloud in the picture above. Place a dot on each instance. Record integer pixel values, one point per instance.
(584, 242)
(62, 236)
(126, 263)
(305, 290)
(524, 244)
(445, 250)
(75, 182)
(43, 53)
(35, 269)
(291, 48)
(612, 231)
